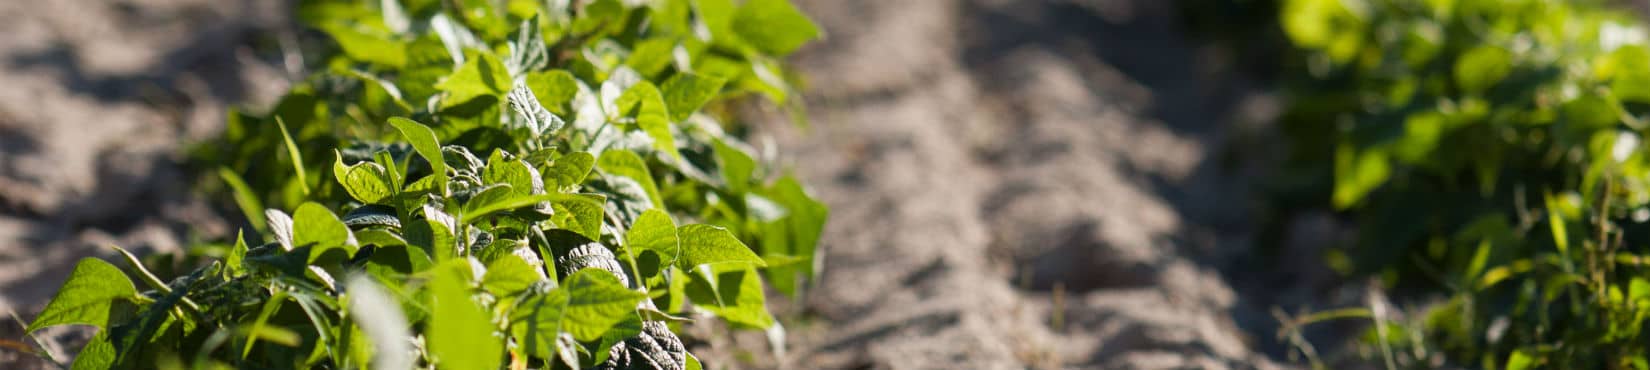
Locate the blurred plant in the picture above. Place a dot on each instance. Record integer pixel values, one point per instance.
(525, 215)
(1490, 149)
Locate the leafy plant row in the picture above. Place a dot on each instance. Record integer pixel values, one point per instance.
(483, 184)
(1492, 151)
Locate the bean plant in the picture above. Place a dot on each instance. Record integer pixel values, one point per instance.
(468, 184)
(1489, 152)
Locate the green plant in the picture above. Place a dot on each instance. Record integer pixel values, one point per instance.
(527, 212)
(1491, 150)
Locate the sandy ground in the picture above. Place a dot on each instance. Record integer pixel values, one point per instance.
(1024, 184)
(1013, 184)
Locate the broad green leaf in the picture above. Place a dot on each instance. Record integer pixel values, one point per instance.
(1312, 23)
(1482, 67)
(509, 275)
(654, 231)
(686, 92)
(522, 178)
(401, 259)
(460, 330)
(1357, 173)
(1520, 360)
(98, 354)
(87, 297)
(1638, 289)
(627, 164)
(440, 232)
(481, 75)
(424, 142)
(366, 47)
(731, 291)
(796, 235)
(652, 115)
(318, 228)
(580, 213)
(571, 169)
(693, 363)
(588, 303)
(367, 182)
(773, 26)
(248, 201)
(553, 89)
(651, 56)
(235, 260)
(378, 237)
(737, 167)
(706, 244)
(717, 16)
(1587, 113)
(628, 328)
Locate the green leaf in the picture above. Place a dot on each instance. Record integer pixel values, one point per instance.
(795, 235)
(553, 89)
(296, 156)
(627, 164)
(316, 227)
(1520, 360)
(1588, 113)
(706, 244)
(248, 202)
(424, 142)
(1480, 258)
(773, 26)
(235, 260)
(366, 47)
(581, 213)
(685, 93)
(589, 302)
(717, 16)
(522, 178)
(652, 115)
(1556, 223)
(651, 55)
(367, 182)
(1357, 173)
(733, 292)
(98, 354)
(1482, 67)
(654, 231)
(509, 275)
(693, 363)
(481, 75)
(571, 169)
(86, 297)
(461, 331)
(737, 167)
